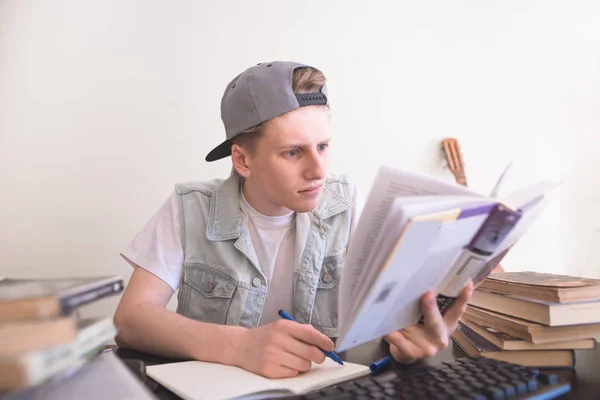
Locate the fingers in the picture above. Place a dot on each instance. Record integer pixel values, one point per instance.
(457, 309)
(434, 323)
(309, 335)
(415, 342)
(402, 349)
(294, 362)
(304, 351)
(429, 344)
(278, 371)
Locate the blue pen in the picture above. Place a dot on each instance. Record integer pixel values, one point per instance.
(329, 354)
(378, 366)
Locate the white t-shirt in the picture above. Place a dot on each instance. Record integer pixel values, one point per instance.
(274, 241)
(157, 248)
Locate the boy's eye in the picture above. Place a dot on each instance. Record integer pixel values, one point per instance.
(292, 153)
(323, 146)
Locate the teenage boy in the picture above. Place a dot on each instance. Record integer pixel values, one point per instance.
(272, 236)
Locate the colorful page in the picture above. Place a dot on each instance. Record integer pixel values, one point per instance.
(389, 184)
(402, 210)
(423, 259)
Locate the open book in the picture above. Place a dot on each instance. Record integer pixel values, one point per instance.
(196, 380)
(420, 233)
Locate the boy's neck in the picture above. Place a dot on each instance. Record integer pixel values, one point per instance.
(256, 199)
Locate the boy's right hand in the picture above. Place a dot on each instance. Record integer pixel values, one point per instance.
(281, 349)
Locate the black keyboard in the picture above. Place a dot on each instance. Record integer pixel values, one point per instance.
(464, 378)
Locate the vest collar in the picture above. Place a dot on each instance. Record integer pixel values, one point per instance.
(225, 219)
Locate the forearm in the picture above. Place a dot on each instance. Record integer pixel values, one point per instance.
(153, 329)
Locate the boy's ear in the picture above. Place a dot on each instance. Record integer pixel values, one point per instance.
(240, 159)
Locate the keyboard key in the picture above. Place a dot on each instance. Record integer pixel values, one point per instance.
(495, 393)
(453, 393)
(341, 396)
(488, 381)
(520, 386)
(532, 385)
(463, 388)
(509, 390)
(548, 379)
(349, 387)
(331, 392)
(385, 377)
(525, 375)
(365, 383)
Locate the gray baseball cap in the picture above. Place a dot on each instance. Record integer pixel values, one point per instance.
(259, 94)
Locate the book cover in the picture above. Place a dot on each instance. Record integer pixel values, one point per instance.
(527, 330)
(507, 342)
(543, 286)
(33, 367)
(26, 299)
(19, 336)
(551, 314)
(475, 346)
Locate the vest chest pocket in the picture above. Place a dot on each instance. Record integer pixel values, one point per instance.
(325, 310)
(206, 296)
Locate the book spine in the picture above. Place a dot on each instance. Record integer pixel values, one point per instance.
(69, 303)
(44, 364)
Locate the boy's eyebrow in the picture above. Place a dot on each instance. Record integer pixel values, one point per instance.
(300, 145)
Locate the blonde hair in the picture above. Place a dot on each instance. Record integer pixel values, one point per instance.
(304, 80)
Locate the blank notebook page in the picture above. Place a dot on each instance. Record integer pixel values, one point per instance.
(196, 380)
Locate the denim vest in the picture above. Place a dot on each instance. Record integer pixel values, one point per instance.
(222, 281)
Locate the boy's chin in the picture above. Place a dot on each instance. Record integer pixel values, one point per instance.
(304, 207)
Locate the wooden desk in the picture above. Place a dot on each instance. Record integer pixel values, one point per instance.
(585, 379)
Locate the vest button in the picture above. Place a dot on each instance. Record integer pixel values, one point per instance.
(209, 287)
(256, 282)
(327, 278)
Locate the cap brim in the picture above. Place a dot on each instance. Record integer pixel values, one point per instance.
(221, 151)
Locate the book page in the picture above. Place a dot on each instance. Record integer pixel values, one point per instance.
(402, 210)
(528, 195)
(322, 375)
(501, 182)
(428, 255)
(22, 289)
(392, 284)
(196, 380)
(545, 279)
(388, 184)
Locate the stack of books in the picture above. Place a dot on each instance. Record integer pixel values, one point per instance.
(530, 318)
(41, 334)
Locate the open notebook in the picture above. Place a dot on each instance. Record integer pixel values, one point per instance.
(196, 380)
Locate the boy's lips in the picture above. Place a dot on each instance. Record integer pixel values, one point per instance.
(312, 189)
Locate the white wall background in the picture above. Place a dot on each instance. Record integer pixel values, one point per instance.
(104, 105)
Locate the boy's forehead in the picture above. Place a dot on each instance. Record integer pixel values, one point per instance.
(299, 127)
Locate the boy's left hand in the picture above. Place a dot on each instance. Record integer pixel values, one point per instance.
(420, 341)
